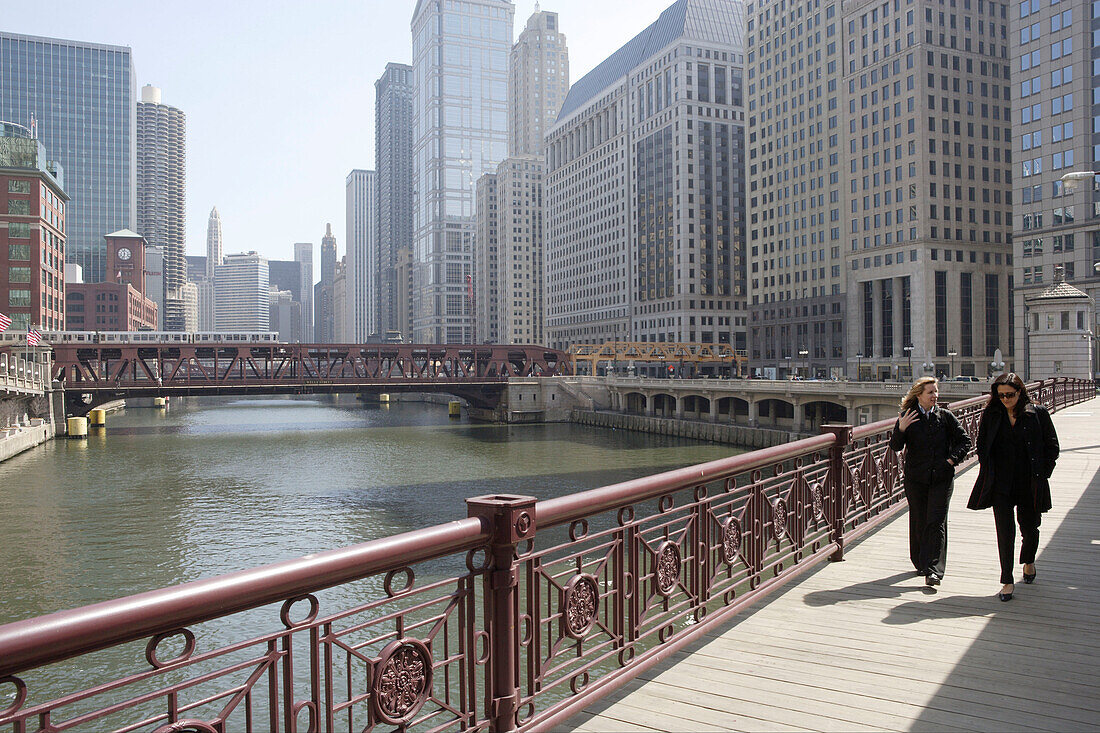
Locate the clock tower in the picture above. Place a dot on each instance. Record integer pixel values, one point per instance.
(126, 259)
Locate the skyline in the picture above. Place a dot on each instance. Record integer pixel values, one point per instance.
(221, 67)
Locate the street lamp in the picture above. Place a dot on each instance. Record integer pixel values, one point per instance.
(909, 357)
(951, 369)
(859, 365)
(805, 355)
(929, 367)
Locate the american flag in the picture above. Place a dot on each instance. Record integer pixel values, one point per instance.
(4, 323)
(34, 337)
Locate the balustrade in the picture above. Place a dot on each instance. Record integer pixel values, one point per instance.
(518, 616)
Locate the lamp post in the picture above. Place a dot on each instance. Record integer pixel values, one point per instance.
(806, 356)
(788, 358)
(859, 365)
(951, 369)
(929, 367)
(997, 366)
(909, 357)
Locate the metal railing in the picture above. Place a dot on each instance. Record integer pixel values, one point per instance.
(22, 375)
(516, 617)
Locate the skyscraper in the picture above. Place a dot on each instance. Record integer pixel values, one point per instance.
(486, 279)
(324, 315)
(539, 71)
(81, 97)
(393, 129)
(213, 242)
(1056, 205)
(644, 201)
(879, 213)
(303, 253)
(460, 68)
(162, 195)
(243, 294)
(361, 210)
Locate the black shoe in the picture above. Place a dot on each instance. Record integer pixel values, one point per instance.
(933, 578)
(1029, 578)
(920, 573)
(1005, 596)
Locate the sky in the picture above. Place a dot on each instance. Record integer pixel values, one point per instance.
(279, 96)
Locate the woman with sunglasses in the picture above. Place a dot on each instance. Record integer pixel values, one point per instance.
(1017, 450)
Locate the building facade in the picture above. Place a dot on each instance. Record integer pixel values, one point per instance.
(242, 293)
(393, 129)
(323, 327)
(644, 197)
(1056, 202)
(519, 260)
(120, 303)
(460, 74)
(215, 252)
(361, 309)
(303, 254)
(539, 82)
(285, 315)
(486, 282)
(879, 188)
(81, 98)
(32, 232)
(162, 195)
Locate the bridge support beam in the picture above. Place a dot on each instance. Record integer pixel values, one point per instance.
(680, 407)
(754, 413)
(799, 422)
(650, 405)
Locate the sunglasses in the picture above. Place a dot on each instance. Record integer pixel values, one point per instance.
(1008, 395)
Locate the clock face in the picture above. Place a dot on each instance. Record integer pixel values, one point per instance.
(124, 253)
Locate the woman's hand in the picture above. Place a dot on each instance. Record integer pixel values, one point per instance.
(907, 419)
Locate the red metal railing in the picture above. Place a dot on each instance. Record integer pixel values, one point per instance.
(514, 618)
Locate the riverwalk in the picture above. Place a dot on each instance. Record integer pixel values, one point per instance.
(864, 645)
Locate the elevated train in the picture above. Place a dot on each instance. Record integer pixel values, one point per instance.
(19, 338)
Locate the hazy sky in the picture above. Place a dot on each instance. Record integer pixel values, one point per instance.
(279, 96)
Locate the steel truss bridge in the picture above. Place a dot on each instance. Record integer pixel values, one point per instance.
(95, 373)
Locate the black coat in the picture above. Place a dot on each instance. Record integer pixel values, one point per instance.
(1042, 453)
(928, 443)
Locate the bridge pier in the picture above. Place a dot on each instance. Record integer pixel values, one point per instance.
(754, 413)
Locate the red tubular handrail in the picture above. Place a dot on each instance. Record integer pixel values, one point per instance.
(57, 636)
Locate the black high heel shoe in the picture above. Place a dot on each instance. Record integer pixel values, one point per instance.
(1005, 596)
(1029, 578)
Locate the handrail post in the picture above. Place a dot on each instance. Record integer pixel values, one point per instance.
(511, 520)
(837, 496)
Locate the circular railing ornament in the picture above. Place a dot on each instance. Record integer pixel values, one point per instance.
(731, 540)
(668, 568)
(402, 680)
(818, 500)
(779, 518)
(580, 605)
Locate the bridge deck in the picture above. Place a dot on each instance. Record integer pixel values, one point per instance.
(863, 645)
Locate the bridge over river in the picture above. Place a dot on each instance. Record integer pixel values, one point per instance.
(700, 598)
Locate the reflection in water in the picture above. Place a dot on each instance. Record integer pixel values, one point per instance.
(208, 487)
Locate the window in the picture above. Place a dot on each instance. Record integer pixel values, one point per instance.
(19, 298)
(19, 207)
(19, 186)
(19, 274)
(19, 252)
(19, 230)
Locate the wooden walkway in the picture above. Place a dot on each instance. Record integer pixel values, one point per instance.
(864, 645)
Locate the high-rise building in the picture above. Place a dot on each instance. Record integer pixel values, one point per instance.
(644, 199)
(285, 315)
(119, 303)
(486, 272)
(189, 297)
(362, 256)
(242, 298)
(341, 319)
(393, 129)
(879, 188)
(286, 275)
(80, 97)
(520, 250)
(324, 325)
(162, 195)
(460, 70)
(303, 254)
(32, 232)
(539, 81)
(1056, 203)
(214, 251)
(154, 279)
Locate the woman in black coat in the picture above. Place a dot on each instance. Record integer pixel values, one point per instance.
(1017, 450)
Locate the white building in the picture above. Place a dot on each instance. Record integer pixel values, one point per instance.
(242, 296)
(214, 252)
(361, 309)
(303, 253)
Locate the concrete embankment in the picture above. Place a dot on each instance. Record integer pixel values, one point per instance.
(14, 441)
(739, 435)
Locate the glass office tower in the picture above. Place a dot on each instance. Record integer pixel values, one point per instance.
(80, 97)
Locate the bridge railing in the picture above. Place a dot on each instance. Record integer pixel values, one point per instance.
(17, 373)
(516, 617)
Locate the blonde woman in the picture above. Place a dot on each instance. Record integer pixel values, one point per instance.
(934, 444)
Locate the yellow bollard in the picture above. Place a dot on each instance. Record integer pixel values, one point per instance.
(97, 418)
(77, 427)
(158, 402)
(383, 397)
(454, 408)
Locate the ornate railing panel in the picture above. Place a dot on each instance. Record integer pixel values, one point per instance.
(516, 617)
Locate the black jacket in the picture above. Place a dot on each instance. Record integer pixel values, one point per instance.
(1042, 454)
(928, 443)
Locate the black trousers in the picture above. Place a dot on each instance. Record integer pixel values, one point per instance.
(928, 524)
(1029, 521)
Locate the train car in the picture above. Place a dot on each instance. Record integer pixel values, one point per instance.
(14, 338)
